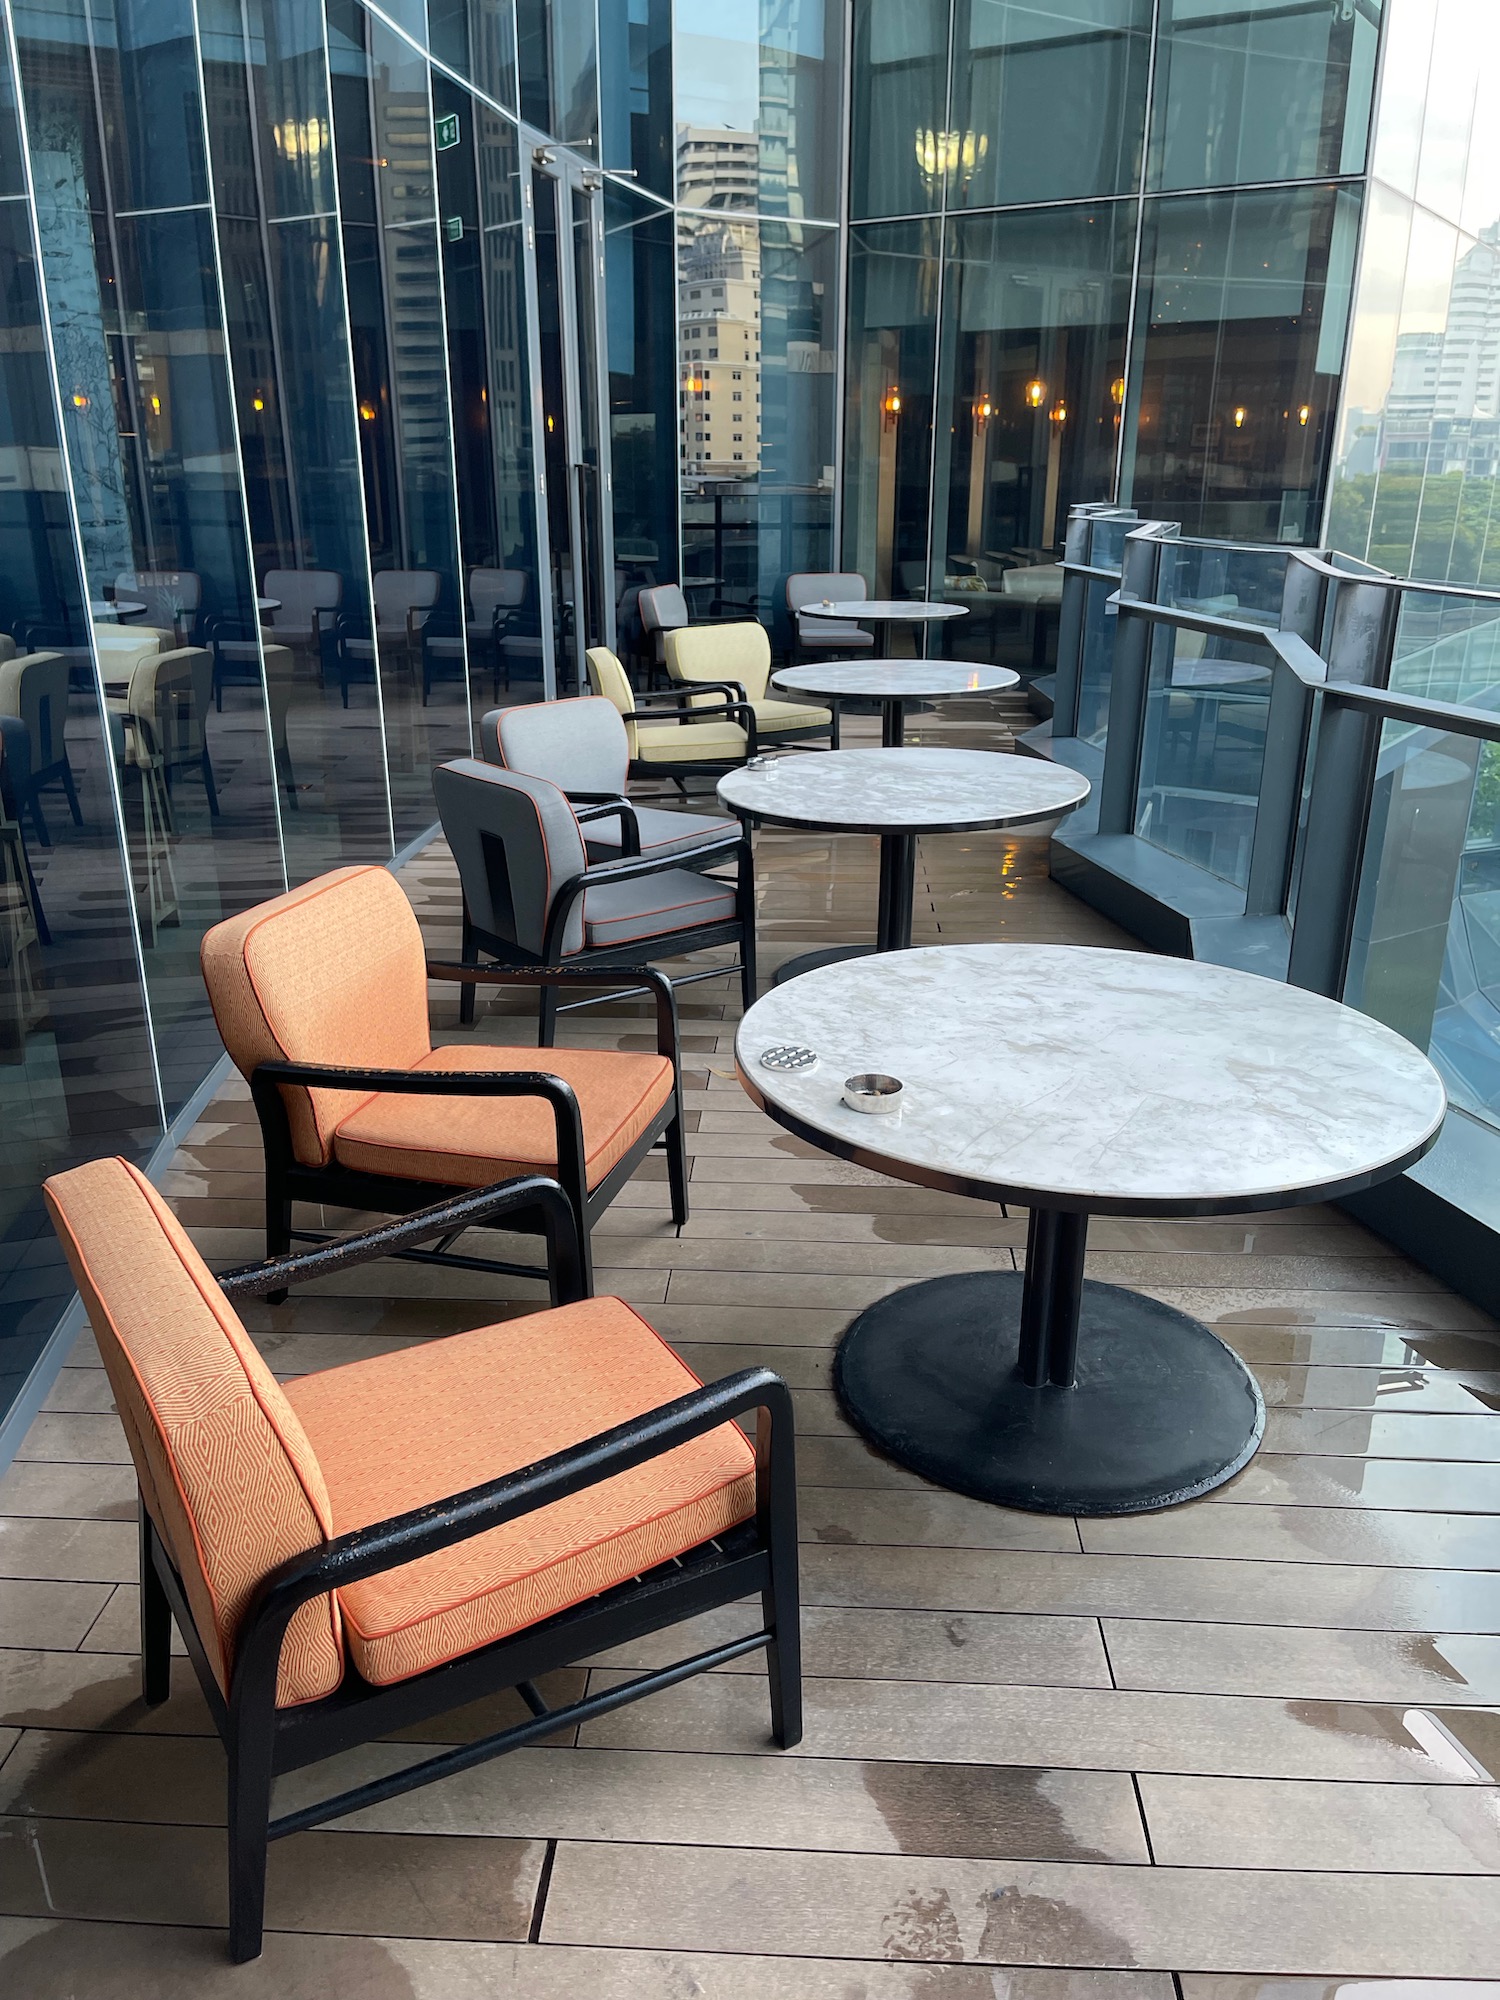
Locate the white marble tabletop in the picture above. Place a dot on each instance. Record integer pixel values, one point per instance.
(882, 608)
(902, 791)
(897, 680)
(1110, 1081)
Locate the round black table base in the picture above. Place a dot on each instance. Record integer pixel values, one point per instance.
(1161, 1409)
(809, 961)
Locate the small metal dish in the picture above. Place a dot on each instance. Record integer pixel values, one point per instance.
(789, 1057)
(873, 1092)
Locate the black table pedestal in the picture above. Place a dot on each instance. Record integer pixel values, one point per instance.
(1049, 1392)
(898, 871)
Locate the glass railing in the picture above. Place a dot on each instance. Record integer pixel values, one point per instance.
(1203, 745)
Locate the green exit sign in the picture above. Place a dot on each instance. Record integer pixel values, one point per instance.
(446, 129)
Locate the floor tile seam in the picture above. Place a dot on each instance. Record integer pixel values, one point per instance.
(93, 1622)
(812, 1600)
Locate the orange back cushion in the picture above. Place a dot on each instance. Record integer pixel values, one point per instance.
(225, 1467)
(333, 972)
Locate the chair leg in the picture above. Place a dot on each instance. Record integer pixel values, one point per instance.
(34, 807)
(781, 1611)
(546, 1026)
(72, 793)
(278, 1228)
(156, 1624)
(677, 1170)
(249, 1814)
(468, 955)
(209, 786)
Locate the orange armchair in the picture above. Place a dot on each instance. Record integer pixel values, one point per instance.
(380, 1543)
(321, 1000)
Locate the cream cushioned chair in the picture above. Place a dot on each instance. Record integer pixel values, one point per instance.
(385, 1541)
(740, 656)
(674, 742)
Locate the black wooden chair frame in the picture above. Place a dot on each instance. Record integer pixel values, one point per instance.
(735, 705)
(289, 1179)
(263, 1741)
(738, 929)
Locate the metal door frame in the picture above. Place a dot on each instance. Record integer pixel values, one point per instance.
(573, 176)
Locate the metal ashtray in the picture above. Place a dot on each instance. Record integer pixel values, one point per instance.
(789, 1058)
(873, 1092)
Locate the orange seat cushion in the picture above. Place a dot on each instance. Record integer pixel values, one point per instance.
(405, 1429)
(471, 1141)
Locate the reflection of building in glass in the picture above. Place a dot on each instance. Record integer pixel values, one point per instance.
(718, 309)
(1442, 411)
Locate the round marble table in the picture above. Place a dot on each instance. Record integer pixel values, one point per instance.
(883, 613)
(103, 608)
(894, 683)
(897, 794)
(1079, 1082)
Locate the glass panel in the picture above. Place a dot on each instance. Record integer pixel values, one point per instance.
(1425, 956)
(383, 133)
(489, 368)
(1225, 582)
(478, 39)
(900, 106)
(1203, 747)
(635, 97)
(1049, 100)
(1240, 324)
(639, 319)
(279, 247)
(1098, 658)
(1448, 649)
(757, 312)
(150, 426)
(558, 63)
(1033, 351)
(759, 105)
(893, 302)
(1419, 453)
(1260, 90)
(76, 1075)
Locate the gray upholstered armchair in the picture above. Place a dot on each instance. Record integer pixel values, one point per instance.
(581, 746)
(818, 637)
(532, 898)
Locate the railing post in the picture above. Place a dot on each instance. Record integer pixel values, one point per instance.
(1338, 815)
(1129, 673)
(1273, 843)
(1070, 624)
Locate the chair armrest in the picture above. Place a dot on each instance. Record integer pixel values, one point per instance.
(605, 872)
(589, 806)
(688, 690)
(465, 1211)
(267, 1078)
(741, 710)
(424, 1531)
(575, 975)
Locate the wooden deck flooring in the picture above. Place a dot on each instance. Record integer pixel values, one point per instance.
(1241, 1750)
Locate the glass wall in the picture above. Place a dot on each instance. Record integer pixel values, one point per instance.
(1417, 462)
(1099, 250)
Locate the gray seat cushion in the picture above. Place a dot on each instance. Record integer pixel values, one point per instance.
(661, 833)
(620, 913)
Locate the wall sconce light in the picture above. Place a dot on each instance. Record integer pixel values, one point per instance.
(156, 406)
(1239, 417)
(257, 402)
(1059, 412)
(890, 407)
(367, 411)
(984, 409)
(80, 401)
(1036, 392)
(1303, 414)
(1117, 391)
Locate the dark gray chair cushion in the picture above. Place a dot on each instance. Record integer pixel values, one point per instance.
(634, 912)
